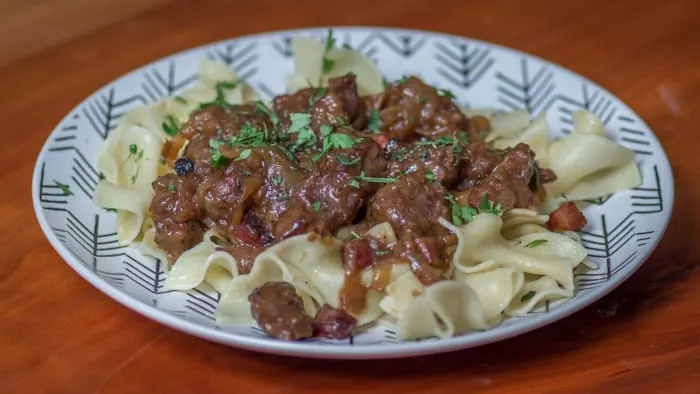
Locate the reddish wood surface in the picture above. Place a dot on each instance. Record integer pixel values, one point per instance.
(60, 335)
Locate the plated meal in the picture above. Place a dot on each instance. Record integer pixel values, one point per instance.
(352, 201)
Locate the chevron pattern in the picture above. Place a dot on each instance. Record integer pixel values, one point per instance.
(619, 236)
(461, 64)
(531, 90)
(157, 84)
(592, 100)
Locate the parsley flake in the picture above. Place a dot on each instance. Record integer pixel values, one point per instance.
(354, 183)
(372, 179)
(333, 140)
(327, 63)
(180, 99)
(528, 296)
(65, 189)
(535, 243)
(316, 206)
(220, 99)
(446, 93)
(429, 176)
(171, 187)
(170, 125)
(375, 124)
(277, 180)
(347, 162)
(132, 149)
(245, 153)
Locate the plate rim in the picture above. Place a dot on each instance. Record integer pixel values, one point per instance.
(329, 351)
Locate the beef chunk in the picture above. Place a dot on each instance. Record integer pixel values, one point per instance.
(279, 311)
(411, 205)
(175, 213)
(333, 323)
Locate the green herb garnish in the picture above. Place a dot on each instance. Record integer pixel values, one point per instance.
(64, 188)
(333, 140)
(446, 93)
(528, 296)
(327, 64)
(260, 106)
(220, 99)
(354, 183)
(460, 214)
(375, 124)
(347, 162)
(316, 206)
(536, 243)
(429, 176)
(372, 179)
(245, 153)
(132, 149)
(180, 99)
(170, 125)
(171, 187)
(317, 96)
(277, 180)
(301, 125)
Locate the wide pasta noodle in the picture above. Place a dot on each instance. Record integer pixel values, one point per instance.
(308, 67)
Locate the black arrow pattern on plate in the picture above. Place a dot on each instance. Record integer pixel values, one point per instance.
(643, 237)
(461, 64)
(84, 175)
(203, 303)
(648, 199)
(633, 137)
(240, 57)
(592, 100)
(588, 281)
(531, 91)
(156, 85)
(104, 111)
(404, 45)
(149, 278)
(53, 194)
(89, 238)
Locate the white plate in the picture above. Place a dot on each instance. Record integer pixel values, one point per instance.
(622, 230)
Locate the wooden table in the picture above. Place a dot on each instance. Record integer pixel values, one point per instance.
(60, 335)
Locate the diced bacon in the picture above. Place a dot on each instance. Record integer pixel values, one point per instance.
(566, 218)
(357, 254)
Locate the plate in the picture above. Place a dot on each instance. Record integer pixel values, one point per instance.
(623, 228)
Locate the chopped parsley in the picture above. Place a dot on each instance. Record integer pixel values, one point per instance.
(332, 141)
(375, 124)
(347, 162)
(536, 243)
(317, 96)
(528, 296)
(380, 252)
(171, 187)
(301, 125)
(316, 206)
(354, 183)
(133, 148)
(429, 176)
(423, 100)
(180, 99)
(220, 99)
(217, 159)
(372, 179)
(327, 63)
(170, 125)
(260, 106)
(460, 214)
(65, 189)
(277, 180)
(112, 210)
(444, 140)
(245, 153)
(446, 93)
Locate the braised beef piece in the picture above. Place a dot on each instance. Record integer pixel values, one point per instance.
(366, 156)
(219, 122)
(333, 323)
(411, 205)
(322, 203)
(176, 212)
(439, 162)
(423, 255)
(279, 311)
(337, 105)
(410, 108)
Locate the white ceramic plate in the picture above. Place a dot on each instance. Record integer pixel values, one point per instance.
(622, 230)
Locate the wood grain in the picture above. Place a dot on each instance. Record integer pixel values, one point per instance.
(60, 335)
